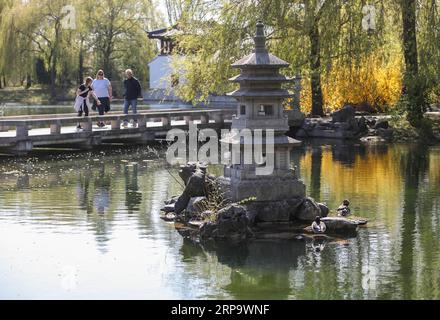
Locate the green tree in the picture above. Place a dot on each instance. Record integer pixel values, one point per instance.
(309, 34)
(38, 26)
(428, 37)
(14, 53)
(108, 34)
(415, 83)
(117, 36)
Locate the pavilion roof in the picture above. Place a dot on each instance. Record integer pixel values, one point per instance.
(165, 33)
(260, 59)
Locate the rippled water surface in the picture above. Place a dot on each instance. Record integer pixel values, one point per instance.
(86, 225)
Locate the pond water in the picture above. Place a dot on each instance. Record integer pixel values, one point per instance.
(86, 225)
(16, 109)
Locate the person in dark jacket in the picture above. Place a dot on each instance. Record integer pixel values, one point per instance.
(132, 92)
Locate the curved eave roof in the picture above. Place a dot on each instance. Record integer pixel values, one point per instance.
(260, 93)
(165, 33)
(279, 78)
(260, 59)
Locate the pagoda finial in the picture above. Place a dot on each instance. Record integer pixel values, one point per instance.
(260, 38)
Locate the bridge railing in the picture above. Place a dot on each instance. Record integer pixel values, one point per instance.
(23, 124)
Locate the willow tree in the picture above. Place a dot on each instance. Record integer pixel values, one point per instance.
(4, 7)
(38, 24)
(428, 38)
(309, 34)
(62, 40)
(15, 55)
(48, 35)
(313, 14)
(117, 28)
(415, 83)
(174, 10)
(213, 35)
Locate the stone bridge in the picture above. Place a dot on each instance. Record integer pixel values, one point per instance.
(21, 134)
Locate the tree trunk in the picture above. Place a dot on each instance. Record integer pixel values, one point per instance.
(53, 76)
(414, 85)
(28, 81)
(53, 64)
(409, 36)
(315, 70)
(107, 59)
(81, 64)
(107, 67)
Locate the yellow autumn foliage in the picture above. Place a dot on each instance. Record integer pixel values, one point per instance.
(373, 80)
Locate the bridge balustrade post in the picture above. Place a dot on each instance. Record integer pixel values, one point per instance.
(55, 128)
(188, 119)
(142, 122)
(204, 118)
(166, 121)
(116, 124)
(87, 125)
(219, 117)
(23, 145)
(22, 130)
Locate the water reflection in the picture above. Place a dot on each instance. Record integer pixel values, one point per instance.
(315, 185)
(133, 196)
(264, 268)
(396, 257)
(104, 207)
(82, 193)
(23, 182)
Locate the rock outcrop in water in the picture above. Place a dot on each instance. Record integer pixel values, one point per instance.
(344, 124)
(204, 212)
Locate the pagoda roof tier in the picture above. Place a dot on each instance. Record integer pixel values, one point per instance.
(279, 140)
(260, 59)
(267, 78)
(278, 93)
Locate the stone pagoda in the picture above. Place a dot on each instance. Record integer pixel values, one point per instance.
(260, 106)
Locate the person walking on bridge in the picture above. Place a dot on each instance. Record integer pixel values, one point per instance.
(132, 91)
(83, 94)
(103, 89)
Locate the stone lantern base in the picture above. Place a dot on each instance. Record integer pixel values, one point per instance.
(267, 189)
